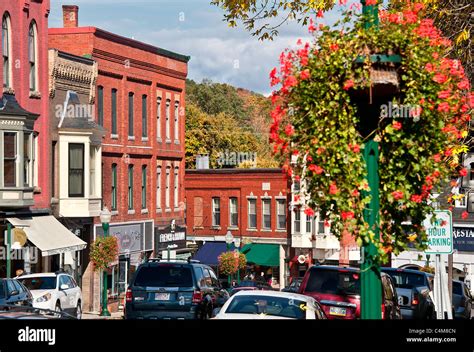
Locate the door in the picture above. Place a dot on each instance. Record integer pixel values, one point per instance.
(65, 296)
(23, 298)
(122, 281)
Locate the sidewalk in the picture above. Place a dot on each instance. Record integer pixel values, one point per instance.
(96, 315)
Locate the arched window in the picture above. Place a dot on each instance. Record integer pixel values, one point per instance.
(32, 56)
(6, 50)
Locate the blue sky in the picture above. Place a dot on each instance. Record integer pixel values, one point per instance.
(191, 27)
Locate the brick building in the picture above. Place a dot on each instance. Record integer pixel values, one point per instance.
(140, 93)
(251, 204)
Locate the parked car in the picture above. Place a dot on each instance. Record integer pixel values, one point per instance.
(462, 300)
(337, 289)
(251, 285)
(30, 313)
(12, 292)
(294, 286)
(270, 305)
(54, 292)
(173, 290)
(413, 289)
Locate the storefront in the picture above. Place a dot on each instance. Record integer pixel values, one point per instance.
(170, 242)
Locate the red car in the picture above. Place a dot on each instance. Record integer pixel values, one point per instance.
(337, 289)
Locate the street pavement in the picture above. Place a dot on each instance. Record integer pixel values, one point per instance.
(92, 316)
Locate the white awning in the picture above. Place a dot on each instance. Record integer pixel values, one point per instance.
(49, 235)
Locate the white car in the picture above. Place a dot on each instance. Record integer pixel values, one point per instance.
(258, 305)
(54, 291)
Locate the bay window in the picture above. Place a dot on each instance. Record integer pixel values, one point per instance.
(10, 155)
(76, 170)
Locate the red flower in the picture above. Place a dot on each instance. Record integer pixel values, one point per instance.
(437, 158)
(356, 193)
(274, 79)
(397, 195)
(454, 183)
(309, 158)
(296, 198)
(309, 212)
(395, 18)
(448, 152)
(342, 2)
(348, 84)
(320, 14)
(304, 75)
(429, 67)
(333, 188)
(416, 198)
(326, 223)
(465, 215)
(444, 94)
(440, 78)
(289, 130)
(311, 27)
(347, 215)
(334, 47)
(316, 169)
(370, 2)
(443, 107)
(397, 125)
(418, 7)
(463, 172)
(320, 150)
(290, 81)
(464, 84)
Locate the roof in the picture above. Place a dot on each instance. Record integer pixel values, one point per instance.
(120, 39)
(409, 271)
(288, 295)
(28, 276)
(233, 171)
(10, 106)
(334, 267)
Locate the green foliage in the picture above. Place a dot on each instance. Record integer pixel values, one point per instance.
(231, 262)
(104, 251)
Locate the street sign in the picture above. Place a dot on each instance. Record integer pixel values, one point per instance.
(440, 232)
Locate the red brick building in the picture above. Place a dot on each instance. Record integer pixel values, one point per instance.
(251, 204)
(140, 93)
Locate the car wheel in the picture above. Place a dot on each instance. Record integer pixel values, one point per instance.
(431, 315)
(58, 310)
(79, 311)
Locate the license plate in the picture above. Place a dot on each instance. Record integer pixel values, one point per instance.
(341, 312)
(162, 296)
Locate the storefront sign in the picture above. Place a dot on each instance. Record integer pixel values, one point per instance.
(172, 236)
(463, 239)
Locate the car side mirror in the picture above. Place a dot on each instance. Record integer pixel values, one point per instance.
(64, 287)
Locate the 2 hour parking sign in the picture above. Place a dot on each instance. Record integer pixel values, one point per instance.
(440, 232)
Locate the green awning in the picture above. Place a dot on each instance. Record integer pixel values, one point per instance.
(262, 254)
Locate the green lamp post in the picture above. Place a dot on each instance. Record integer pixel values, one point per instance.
(105, 217)
(9, 241)
(229, 239)
(237, 248)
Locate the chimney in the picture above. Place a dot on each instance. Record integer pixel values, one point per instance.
(70, 16)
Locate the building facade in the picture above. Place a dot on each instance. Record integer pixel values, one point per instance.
(251, 204)
(139, 102)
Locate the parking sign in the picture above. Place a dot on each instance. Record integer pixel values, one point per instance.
(440, 232)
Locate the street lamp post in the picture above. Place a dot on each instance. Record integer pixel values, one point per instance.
(229, 239)
(9, 249)
(105, 217)
(237, 247)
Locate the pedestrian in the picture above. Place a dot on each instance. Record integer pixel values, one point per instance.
(19, 272)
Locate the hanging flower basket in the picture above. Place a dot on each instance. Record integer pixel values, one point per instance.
(104, 251)
(231, 262)
(317, 123)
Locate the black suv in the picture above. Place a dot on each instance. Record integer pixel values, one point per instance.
(174, 290)
(413, 289)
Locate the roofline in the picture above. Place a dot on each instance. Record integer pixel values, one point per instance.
(121, 40)
(69, 56)
(233, 171)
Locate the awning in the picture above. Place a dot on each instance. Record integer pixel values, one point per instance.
(49, 235)
(210, 251)
(262, 254)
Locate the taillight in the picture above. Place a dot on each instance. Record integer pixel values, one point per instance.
(129, 296)
(197, 297)
(383, 311)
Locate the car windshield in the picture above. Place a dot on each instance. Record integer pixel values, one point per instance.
(407, 280)
(40, 283)
(164, 276)
(248, 283)
(268, 305)
(457, 288)
(333, 282)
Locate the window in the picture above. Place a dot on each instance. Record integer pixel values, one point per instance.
(267, 215)
(297, 221)
(144, 186)
(158, 188)
(76, 170)
(252, 213)
(176, 187)
(167, 185)
(130, 114)
(144, 116)
(6, 51)
(28, 159)
(114, 111)
(296, 186)
(158, 118)
(114, 187)
(216, 212)
(233, 212)
(176, 121)
(100, 105)
(198, 212)
(281, 214)
(168, 103)
(309, 220)
(32, 58)
(92, 158)
(321, 227)
(10, 152)
(130, 187)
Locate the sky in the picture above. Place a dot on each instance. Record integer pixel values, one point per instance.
(195, 28)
